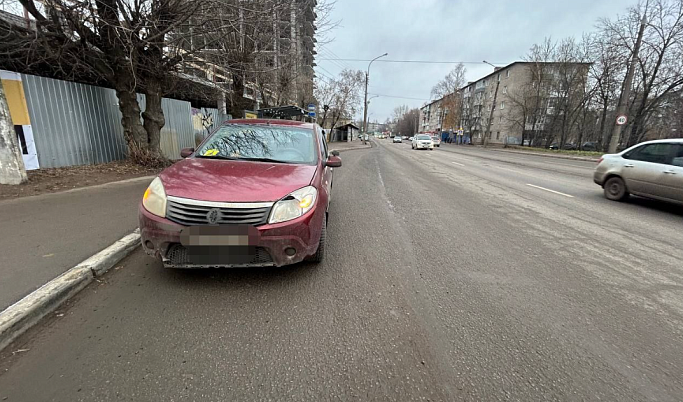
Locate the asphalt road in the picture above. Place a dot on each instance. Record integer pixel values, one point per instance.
(448, 277)
(43, 236)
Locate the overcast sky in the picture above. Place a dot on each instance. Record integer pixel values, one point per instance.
(499, 31)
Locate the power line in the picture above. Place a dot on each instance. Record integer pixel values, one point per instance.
(335, 56)
(412, 61)
(332, 59)
(398, 97)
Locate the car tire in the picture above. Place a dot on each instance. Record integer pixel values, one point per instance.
(320, 252)
(615, 189)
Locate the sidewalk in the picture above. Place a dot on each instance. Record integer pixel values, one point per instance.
(345, 146)
(45, 235)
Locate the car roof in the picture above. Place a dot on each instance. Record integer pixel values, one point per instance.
(272, 122)
(674, 140)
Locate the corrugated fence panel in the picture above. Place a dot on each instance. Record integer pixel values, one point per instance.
(73, 124)
(177, 132)
(79, 124)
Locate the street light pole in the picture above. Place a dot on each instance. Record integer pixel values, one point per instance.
(493, 107)
(365, 104)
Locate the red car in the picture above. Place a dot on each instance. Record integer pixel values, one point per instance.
(254, 193)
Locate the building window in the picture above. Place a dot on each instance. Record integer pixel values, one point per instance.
(498, 77)
(498, 135)
(502, 105)
(505, 89)
(500, 119)
(507, 74)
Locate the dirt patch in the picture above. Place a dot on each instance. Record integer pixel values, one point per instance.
(43, 181)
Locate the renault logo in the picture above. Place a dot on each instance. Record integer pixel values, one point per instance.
(213, 215)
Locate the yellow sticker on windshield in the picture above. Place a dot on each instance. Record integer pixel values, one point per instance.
(211, 152)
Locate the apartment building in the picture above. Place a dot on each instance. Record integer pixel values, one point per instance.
(431, 117)
(527, 96)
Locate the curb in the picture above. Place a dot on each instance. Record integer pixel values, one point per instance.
(22, 315)
(556, 156)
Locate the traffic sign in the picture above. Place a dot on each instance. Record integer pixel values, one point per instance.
(311, 114)
(621, 120)
(311, 107)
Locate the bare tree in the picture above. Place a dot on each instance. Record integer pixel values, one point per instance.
(408, 122)
(448, 91)
(342, 94)
(659, 62)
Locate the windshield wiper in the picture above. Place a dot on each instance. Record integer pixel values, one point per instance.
(217, 157)
(264, 160)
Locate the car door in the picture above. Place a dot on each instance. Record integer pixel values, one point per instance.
(328, 172)
(673, 174)
(643, 169)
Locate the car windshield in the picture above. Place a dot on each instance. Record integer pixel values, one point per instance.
(423, 137)
(435, 138)
(260, 142)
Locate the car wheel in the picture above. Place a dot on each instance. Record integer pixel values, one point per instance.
(615, 189)
(320, 253)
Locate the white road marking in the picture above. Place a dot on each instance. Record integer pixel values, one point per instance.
(549, 190)
(456, 163)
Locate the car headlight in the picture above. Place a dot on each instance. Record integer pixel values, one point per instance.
(294, 205)
(154, 199)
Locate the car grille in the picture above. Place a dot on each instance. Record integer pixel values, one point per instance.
(187, 213)
(177, 256)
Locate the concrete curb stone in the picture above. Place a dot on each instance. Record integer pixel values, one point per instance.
(22, 315)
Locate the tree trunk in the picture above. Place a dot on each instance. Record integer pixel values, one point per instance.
(133, 131)
(153, 116)
(12, 170)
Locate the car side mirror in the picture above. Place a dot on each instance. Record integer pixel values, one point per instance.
(185, 152)
(333, 161)
(334, 152)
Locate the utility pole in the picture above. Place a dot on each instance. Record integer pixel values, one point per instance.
(493, 107)
(622, 108)
(365, 103)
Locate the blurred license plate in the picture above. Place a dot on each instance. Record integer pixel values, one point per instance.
(220, 244)
(237, 235)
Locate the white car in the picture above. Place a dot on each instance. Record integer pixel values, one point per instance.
(436, 140)
(423, 141)
(397, 139)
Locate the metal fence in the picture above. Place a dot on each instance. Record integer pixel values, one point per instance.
(78, 124)
(73, 124)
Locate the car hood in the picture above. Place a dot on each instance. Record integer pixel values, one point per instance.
(234, 181)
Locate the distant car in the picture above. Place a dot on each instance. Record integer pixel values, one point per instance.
(405, 137)
(652, 169)
(436, 140)
(567, 146)
(397, 139)
(422, 141)
(589, 146)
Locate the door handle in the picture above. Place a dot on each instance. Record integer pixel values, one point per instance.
(669, 172)
(629, 165)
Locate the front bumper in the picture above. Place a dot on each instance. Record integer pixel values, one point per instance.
(160, 238)
(424, 146)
